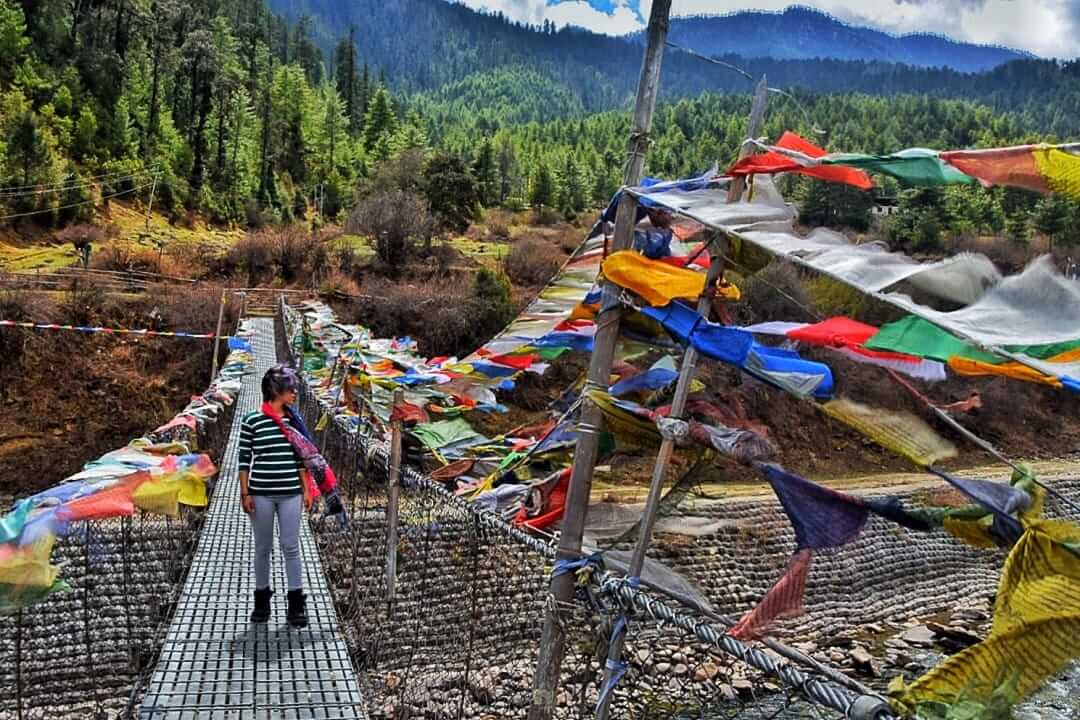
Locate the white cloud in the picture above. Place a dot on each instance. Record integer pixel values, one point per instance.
(620, 21)
(1044, 27)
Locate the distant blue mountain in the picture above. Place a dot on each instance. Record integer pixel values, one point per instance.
(802, 33)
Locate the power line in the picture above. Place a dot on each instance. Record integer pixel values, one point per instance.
(82, 183)
(748, 76)
(73, 205)
(152, 168)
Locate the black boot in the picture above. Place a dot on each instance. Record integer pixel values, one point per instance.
(297, 613)
(261, 613)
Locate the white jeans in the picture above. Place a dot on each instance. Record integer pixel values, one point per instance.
(289, 510)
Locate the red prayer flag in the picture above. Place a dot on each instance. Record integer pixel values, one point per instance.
(518, 362)
(845, 333)
(115, 501)
(773, 162)
(784, 599)
(1013, 166)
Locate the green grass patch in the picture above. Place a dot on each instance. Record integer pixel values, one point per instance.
(37, 258)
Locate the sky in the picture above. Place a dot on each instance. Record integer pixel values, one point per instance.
(1050, 28)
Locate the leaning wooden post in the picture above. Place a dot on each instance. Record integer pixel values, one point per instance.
(590, 425)
(18, 664)
(757, 121)
(392, 496)
(663, 458)
(678, 406)
(217, 333)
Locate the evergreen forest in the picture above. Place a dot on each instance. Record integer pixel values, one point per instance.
(247, 117)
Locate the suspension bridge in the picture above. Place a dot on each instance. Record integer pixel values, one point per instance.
(214, 663)
(156, 626)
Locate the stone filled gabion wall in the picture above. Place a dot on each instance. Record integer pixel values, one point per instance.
(81, 652)
(87, 653)
(466, 615)
(888, 573)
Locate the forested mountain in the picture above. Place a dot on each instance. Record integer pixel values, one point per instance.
(454, 54)
(225, 109)
(802, 33)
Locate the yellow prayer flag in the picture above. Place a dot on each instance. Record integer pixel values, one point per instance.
(656, 282)
(1036, 628)
(191, 489)
(158, 496)
(1061, 170)
(28, 566)
(902, 433)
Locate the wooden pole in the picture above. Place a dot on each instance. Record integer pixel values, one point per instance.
(393, 495)
(663, 458)
(757, 121)
(149, 209)
(217, 334)
(678, 406)
(553, 637)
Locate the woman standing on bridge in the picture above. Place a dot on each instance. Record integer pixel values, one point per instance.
(274, 483)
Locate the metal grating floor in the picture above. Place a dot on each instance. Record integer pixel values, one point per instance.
(214, 664)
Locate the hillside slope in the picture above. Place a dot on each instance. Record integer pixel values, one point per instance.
(440, 48)
(801, 33)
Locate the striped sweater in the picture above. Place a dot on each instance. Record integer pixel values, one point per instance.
(272, 464)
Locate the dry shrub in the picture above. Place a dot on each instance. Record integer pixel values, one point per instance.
(85, 304)
(499, 230)
(19, 306)
(250, 257)
(78, 235)
(293, 249)
(113, 257)
(532, 262)
(1009, 256)
(569, 243)
(446, 316)
(188, 309)
(395, 221)
(547, 216)
(337, 283)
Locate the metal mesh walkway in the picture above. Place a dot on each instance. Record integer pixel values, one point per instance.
(214, 663)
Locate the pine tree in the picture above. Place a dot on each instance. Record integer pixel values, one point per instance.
(572, 191)
(451, 191)
(27, 145)
(409, 136)
(485, 172)
(1051, 218)
(507, 168)
(380, 120)
(363, 100)
(542, 192)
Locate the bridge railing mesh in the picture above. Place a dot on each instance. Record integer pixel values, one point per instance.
(460, 633)
(88, 652)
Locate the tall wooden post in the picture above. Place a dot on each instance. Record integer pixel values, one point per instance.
(217, 334)
(553, 637)
(757, 121)
(663, 459)
(678, 404)
(149, 210)
(392, 497)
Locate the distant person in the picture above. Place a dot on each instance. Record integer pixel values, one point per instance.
(275, 483)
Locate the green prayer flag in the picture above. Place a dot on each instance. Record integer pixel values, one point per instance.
(918, 167)
(439, 434)
(11, 525)
(914, 336)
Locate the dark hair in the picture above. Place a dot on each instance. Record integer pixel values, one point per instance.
(278, 380)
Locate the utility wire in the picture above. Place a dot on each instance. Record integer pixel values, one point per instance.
(76, 181)
(73, 205)
(748, 76)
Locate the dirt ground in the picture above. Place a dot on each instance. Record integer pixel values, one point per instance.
(67, 398)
